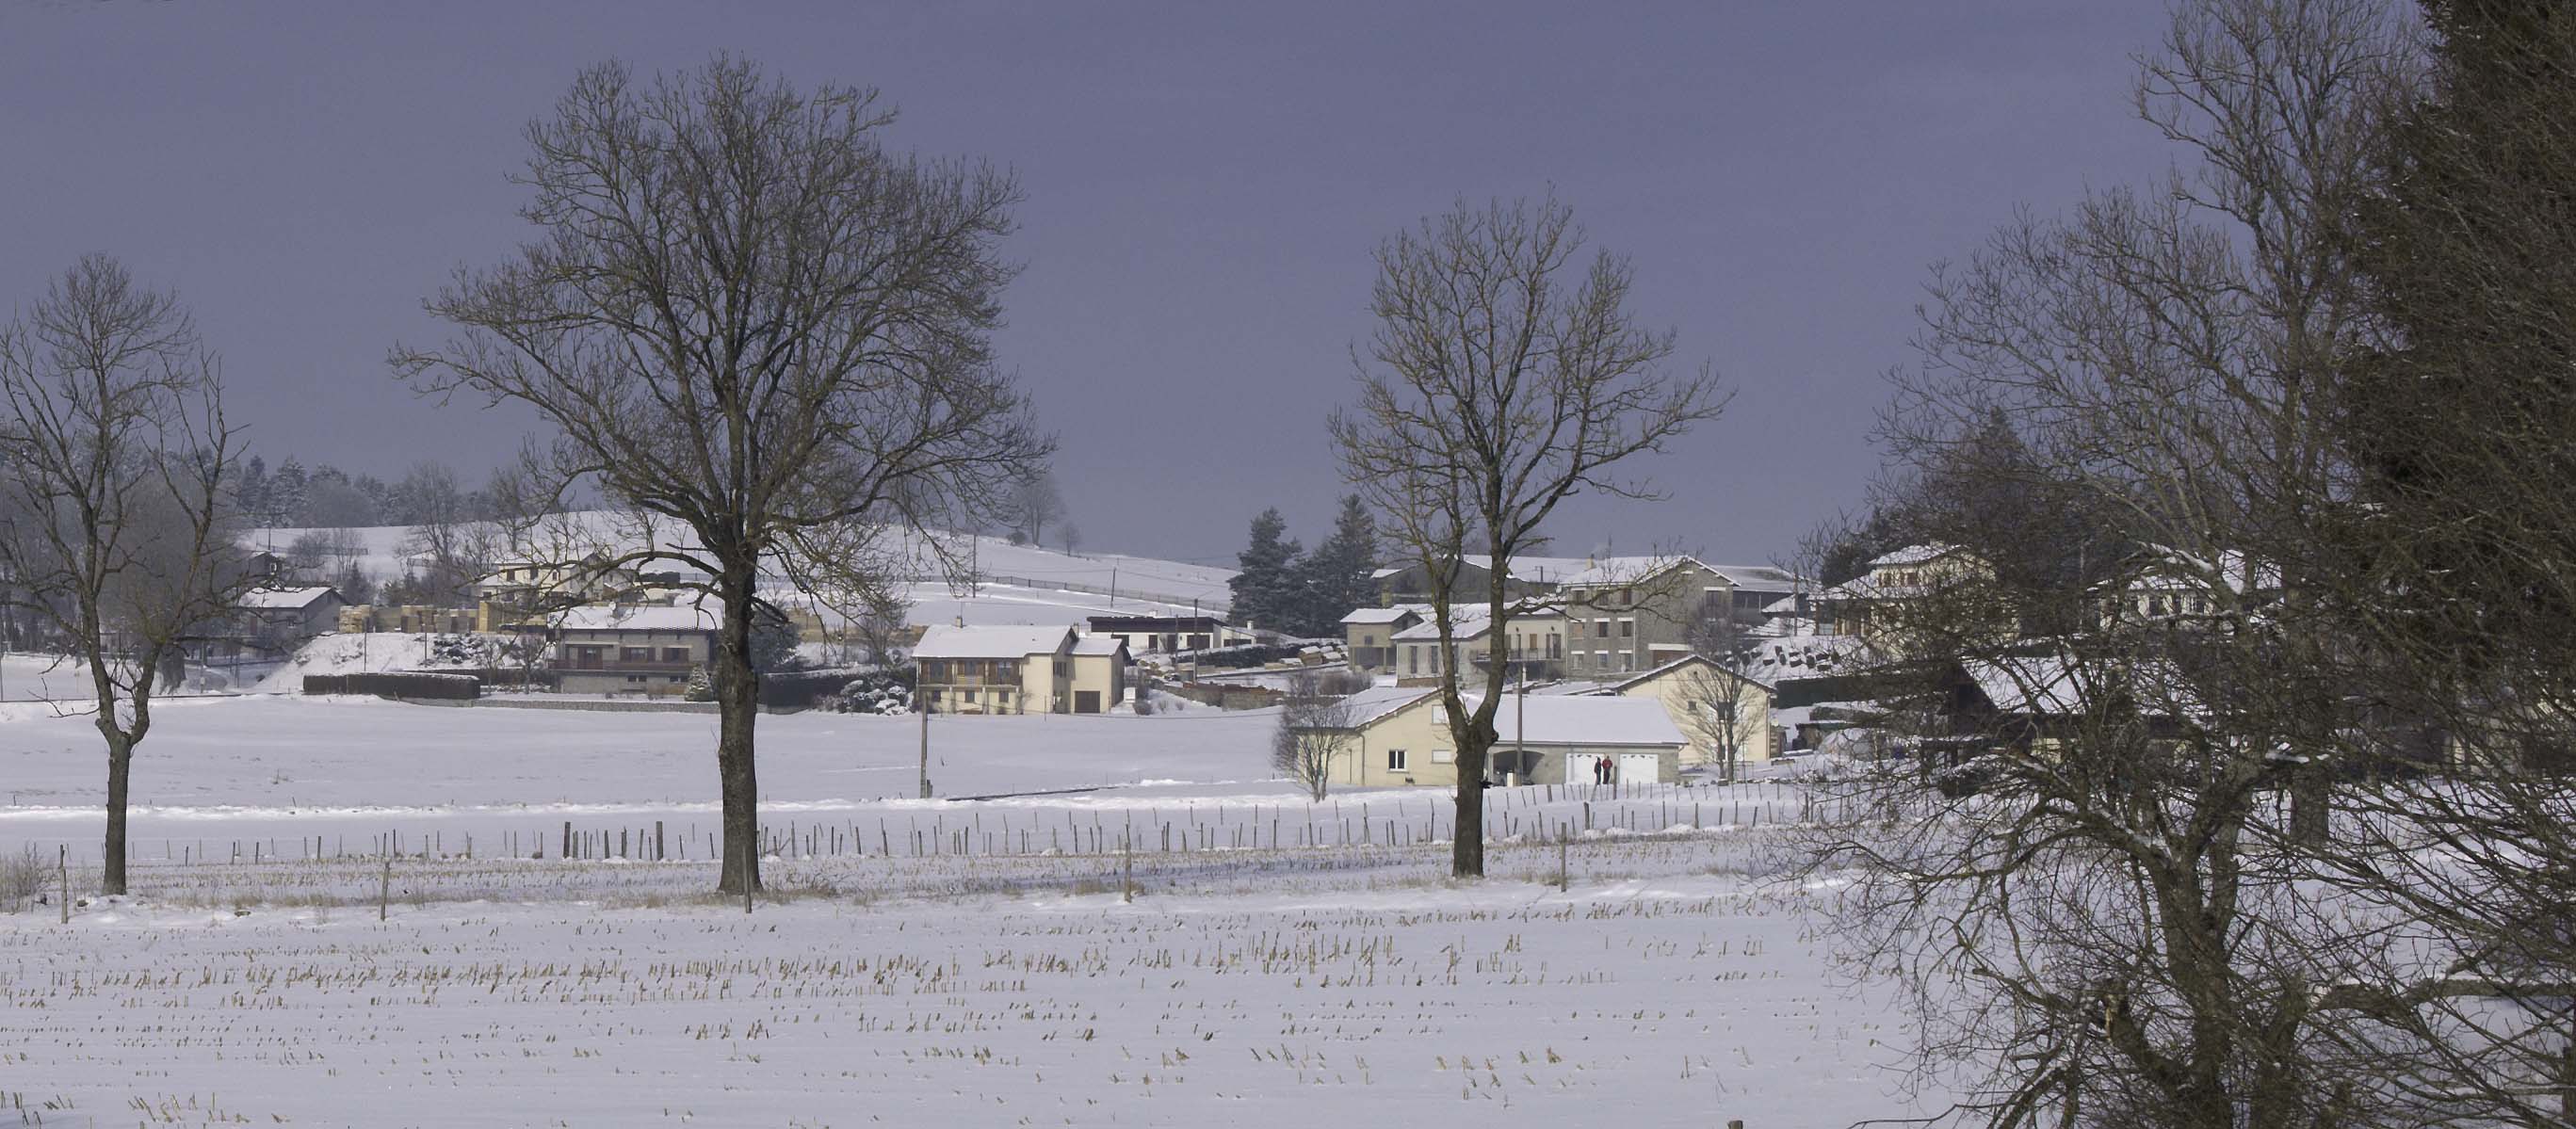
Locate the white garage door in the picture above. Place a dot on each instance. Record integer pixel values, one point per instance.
(1582, 768)
(1637, 768)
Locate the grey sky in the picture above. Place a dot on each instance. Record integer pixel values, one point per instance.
(1204, 182)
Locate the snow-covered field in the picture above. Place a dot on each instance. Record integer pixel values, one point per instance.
(946, 962)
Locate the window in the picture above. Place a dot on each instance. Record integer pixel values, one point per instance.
(1627, 596)
(635, 654)
(1600, 629)
(675, 654)
(1627, 629)
(1556, 646)
(1395, 760)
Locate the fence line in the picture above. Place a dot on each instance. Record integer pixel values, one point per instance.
(1529, 814)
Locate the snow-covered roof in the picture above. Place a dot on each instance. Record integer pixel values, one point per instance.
(1915, 555)
(1758, 578)
(631, 617)
(998, 641)
(1098, 645)
(1802, 656)
(1537, 570)
(1678, 664)
(1623, 570)
(2049, 685)
(1466, 620)
(279, 599)
(1584, 721)
(1378, 701)
(1385, 615)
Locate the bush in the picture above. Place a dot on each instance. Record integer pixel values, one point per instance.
(887, 691)
(22, 877)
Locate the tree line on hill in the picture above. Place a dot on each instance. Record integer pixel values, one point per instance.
(1282, 586)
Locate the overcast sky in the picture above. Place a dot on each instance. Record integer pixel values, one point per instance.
(1204, 181)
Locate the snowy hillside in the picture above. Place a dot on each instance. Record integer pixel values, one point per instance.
(1019, 583)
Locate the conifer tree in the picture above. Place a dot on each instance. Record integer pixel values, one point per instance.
(1264, 588)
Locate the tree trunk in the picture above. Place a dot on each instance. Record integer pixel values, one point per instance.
(120, 766)
(2311, 797)
(737, 690)
(1467, 852)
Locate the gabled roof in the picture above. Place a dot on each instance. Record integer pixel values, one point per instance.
(1535, 570)
(1385, 615)
(1000, 641)
(1626, 570)
(1759, 578)
(1099, 645)
(276, 599)
(1378, 701)
(1916, 554)
(1682, 663)
(1584, 720)
(632, 617)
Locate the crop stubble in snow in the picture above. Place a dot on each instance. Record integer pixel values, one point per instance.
(1269, 988)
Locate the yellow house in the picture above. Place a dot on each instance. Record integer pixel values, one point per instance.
(1697, 693)
(1399, 736)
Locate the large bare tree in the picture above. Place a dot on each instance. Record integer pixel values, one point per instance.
(747, 319)
(1506, 374)
(118, 531)
(2109, 911)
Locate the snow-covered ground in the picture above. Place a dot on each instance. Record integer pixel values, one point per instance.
(1652, 993)
(950, 961)
(30, 678)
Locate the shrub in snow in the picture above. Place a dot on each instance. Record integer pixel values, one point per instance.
(874, 692)
(700, 687)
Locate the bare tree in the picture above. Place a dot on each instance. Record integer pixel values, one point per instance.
(1505, 375)
(1725, 711)
(449, 538)
(2100, 909)
(1035, 503)
(1317, 727)
(118, 463)
(745, 318)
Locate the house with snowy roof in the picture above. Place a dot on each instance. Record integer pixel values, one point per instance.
(645, 650)
(1399, 736)
(1532, 640)
(1724, 712)
(1368, 635)
(1907, 583)
(1019, 669)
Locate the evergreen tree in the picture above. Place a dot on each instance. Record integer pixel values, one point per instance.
(1335, 578)
(286, 493)
(252, 492)
(1265, 587)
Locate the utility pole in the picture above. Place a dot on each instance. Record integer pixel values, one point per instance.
(1520, 726)
(924, 703)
